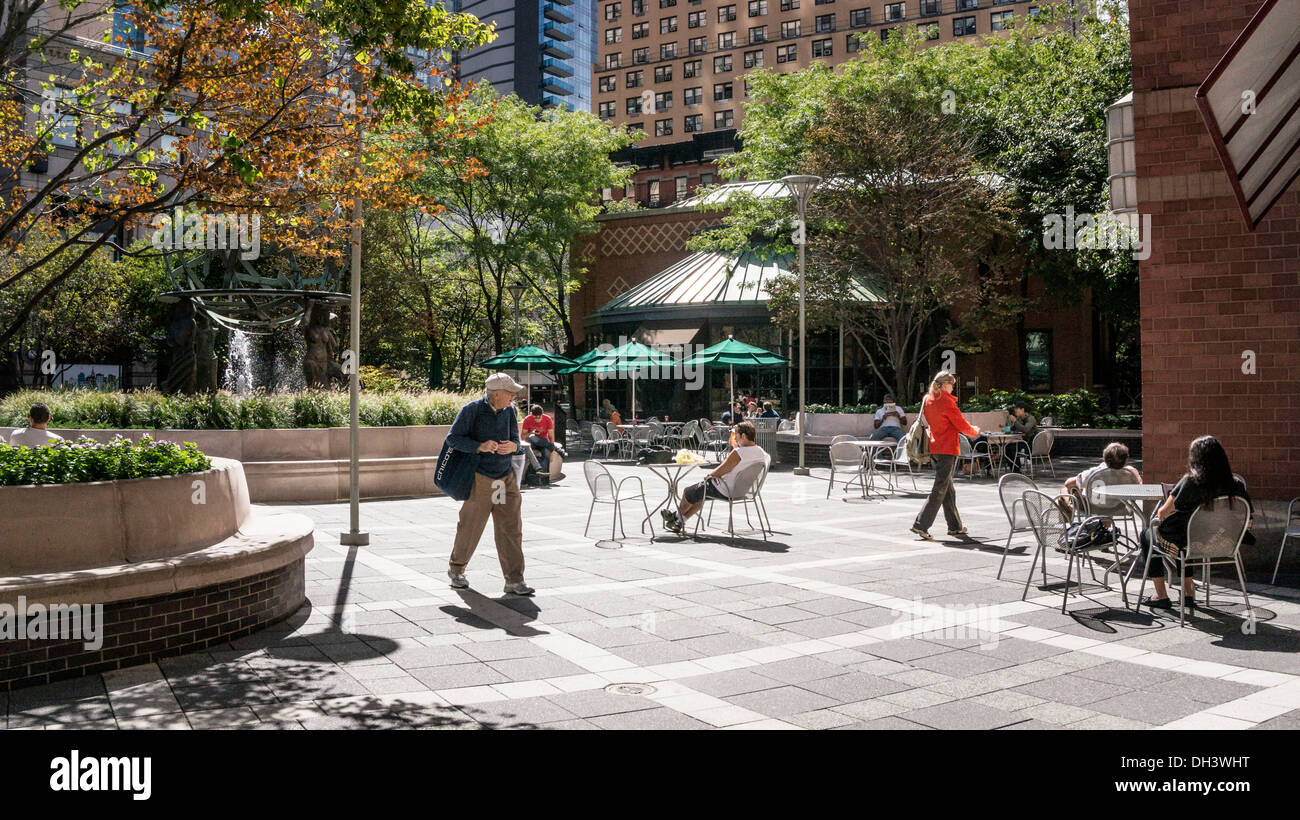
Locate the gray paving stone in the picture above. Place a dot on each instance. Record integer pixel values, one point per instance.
(799, 670)
(892, 722)
(905, 649)
(650, 654)
(961, 663)
(598, 702)
(964, 715)
(784, 700)
(731, 682)
(1148, 707)
(460, 675)
(1073, 690)
(546, 666)
(853, 686)
(649, 719)
(518, 713)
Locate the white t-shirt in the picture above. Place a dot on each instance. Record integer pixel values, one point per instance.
(892, 421)
(32, 437)
(749, 454)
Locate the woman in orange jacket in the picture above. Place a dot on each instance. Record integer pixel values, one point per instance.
(944, 421)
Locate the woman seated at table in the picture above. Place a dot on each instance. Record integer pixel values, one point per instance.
(608, 412)
(1114, 457)
(721, 482)
(751, 410)
(734, 414)
(539, 430)
(1208, 476)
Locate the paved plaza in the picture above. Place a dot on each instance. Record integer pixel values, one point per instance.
(843, 619)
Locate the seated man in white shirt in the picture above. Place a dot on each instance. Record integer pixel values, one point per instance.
(34, 434)
(721, 482)
(890, 421)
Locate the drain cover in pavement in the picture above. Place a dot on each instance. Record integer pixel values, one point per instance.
(630, 689)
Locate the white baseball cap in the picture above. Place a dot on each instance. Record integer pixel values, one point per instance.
(501, 381)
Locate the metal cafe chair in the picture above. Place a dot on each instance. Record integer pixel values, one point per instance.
(848, 459)
(604, 490)
(1011, 490)
(746, 490)
(1214, 536)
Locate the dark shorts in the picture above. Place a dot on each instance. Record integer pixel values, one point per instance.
(697, 492)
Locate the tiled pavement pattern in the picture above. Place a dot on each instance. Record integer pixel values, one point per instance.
(842, 620)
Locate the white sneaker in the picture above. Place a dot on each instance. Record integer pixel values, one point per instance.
(458, 580)
(519, 589)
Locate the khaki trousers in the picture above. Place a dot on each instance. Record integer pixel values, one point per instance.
(507, 524)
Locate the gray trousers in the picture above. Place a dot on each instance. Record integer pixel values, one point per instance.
(941, 494)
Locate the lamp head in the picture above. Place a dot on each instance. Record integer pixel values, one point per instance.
(801, 186)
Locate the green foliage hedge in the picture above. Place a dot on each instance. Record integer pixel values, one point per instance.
(70, 462)
(1079, 408)
(151, 410)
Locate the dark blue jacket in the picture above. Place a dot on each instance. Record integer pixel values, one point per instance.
(476, 423)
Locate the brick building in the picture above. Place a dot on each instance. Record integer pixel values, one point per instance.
(675, 69)
(1220, 302)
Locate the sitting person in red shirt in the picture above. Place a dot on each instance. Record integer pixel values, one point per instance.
(538, 430)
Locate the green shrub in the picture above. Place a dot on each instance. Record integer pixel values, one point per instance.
(149, 409)
(860, 409)
(69, 462)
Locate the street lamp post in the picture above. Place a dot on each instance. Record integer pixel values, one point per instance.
(801, 187)
(355, 537)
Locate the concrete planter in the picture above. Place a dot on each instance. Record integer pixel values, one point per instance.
(311, 464)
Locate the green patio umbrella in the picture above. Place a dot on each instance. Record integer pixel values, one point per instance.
(527, 358)
(730, 353)
(628, 358)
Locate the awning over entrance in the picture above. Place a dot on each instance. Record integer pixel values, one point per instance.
(1250, 103)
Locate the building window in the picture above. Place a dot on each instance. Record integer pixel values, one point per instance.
(727, 40)
(693, 96)
(663, 4)
(823, 2)
(727, 14)
(895, 11)
(824, 22)
(754, 59)
(663, 101)
(609, 83)
(640, 55)
(607, 110)
(654, 190)
(698, 45)
(930, 8)
(789, 5)
(787, 54)
(967, 5)
(679, 188)
(613, 35)
(696, 19)
(790, 28)
(859, 18)
(884, 34)
(613, 61)
(722, 64)
(638, 8)
(821, 48)
(1037, 358)
(692, 68)
(929, 31)
(613, 11)
(667, 25)
(667, 51)
(1001, 20)
(638, 127)
(693, 123)
(722, 91)
(640, 30)
(851, 44)
(723, 119)
(706, 179)
(757, 8)
(663, 128)
(663, 74)
(632, 105)
(962, 26)
(635, 79)
(758, 34)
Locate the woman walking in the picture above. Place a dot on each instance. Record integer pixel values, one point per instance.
(944, 421)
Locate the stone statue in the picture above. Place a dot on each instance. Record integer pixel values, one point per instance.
(318, 366)
(181, 331)
(205, 359)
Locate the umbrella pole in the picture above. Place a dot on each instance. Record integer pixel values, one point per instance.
(731, 408)
(530, 384)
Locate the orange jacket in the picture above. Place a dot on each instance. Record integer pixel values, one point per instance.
(945, 422)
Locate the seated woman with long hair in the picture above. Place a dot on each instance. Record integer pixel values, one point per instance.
(1209, 476)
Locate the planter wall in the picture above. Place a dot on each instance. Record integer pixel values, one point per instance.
(311, 464)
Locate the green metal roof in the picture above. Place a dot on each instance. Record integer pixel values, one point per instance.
(701, 283)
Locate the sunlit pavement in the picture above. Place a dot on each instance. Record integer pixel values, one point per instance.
(841, 619)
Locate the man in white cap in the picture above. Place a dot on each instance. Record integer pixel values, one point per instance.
(488, 426)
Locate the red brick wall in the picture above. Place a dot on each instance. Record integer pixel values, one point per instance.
(1212, 288)
(144, 630)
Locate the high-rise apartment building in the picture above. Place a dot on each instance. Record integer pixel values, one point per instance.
(675, 69)
(543, 53)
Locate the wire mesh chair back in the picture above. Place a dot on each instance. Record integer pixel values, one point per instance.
(598, 476)
(1045, 517)
(1042, 444)
(1216, 531)
(1012, 488)
(846, 454)
(1099, 503)
(748, 479)
(841, 438)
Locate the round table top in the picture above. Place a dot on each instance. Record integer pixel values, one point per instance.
(1150, 492)
(1004, 436)
(667, 465)
(884, 442)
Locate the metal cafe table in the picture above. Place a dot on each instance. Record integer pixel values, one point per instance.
(672, 473)
(1132, 496)
(999, 442)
